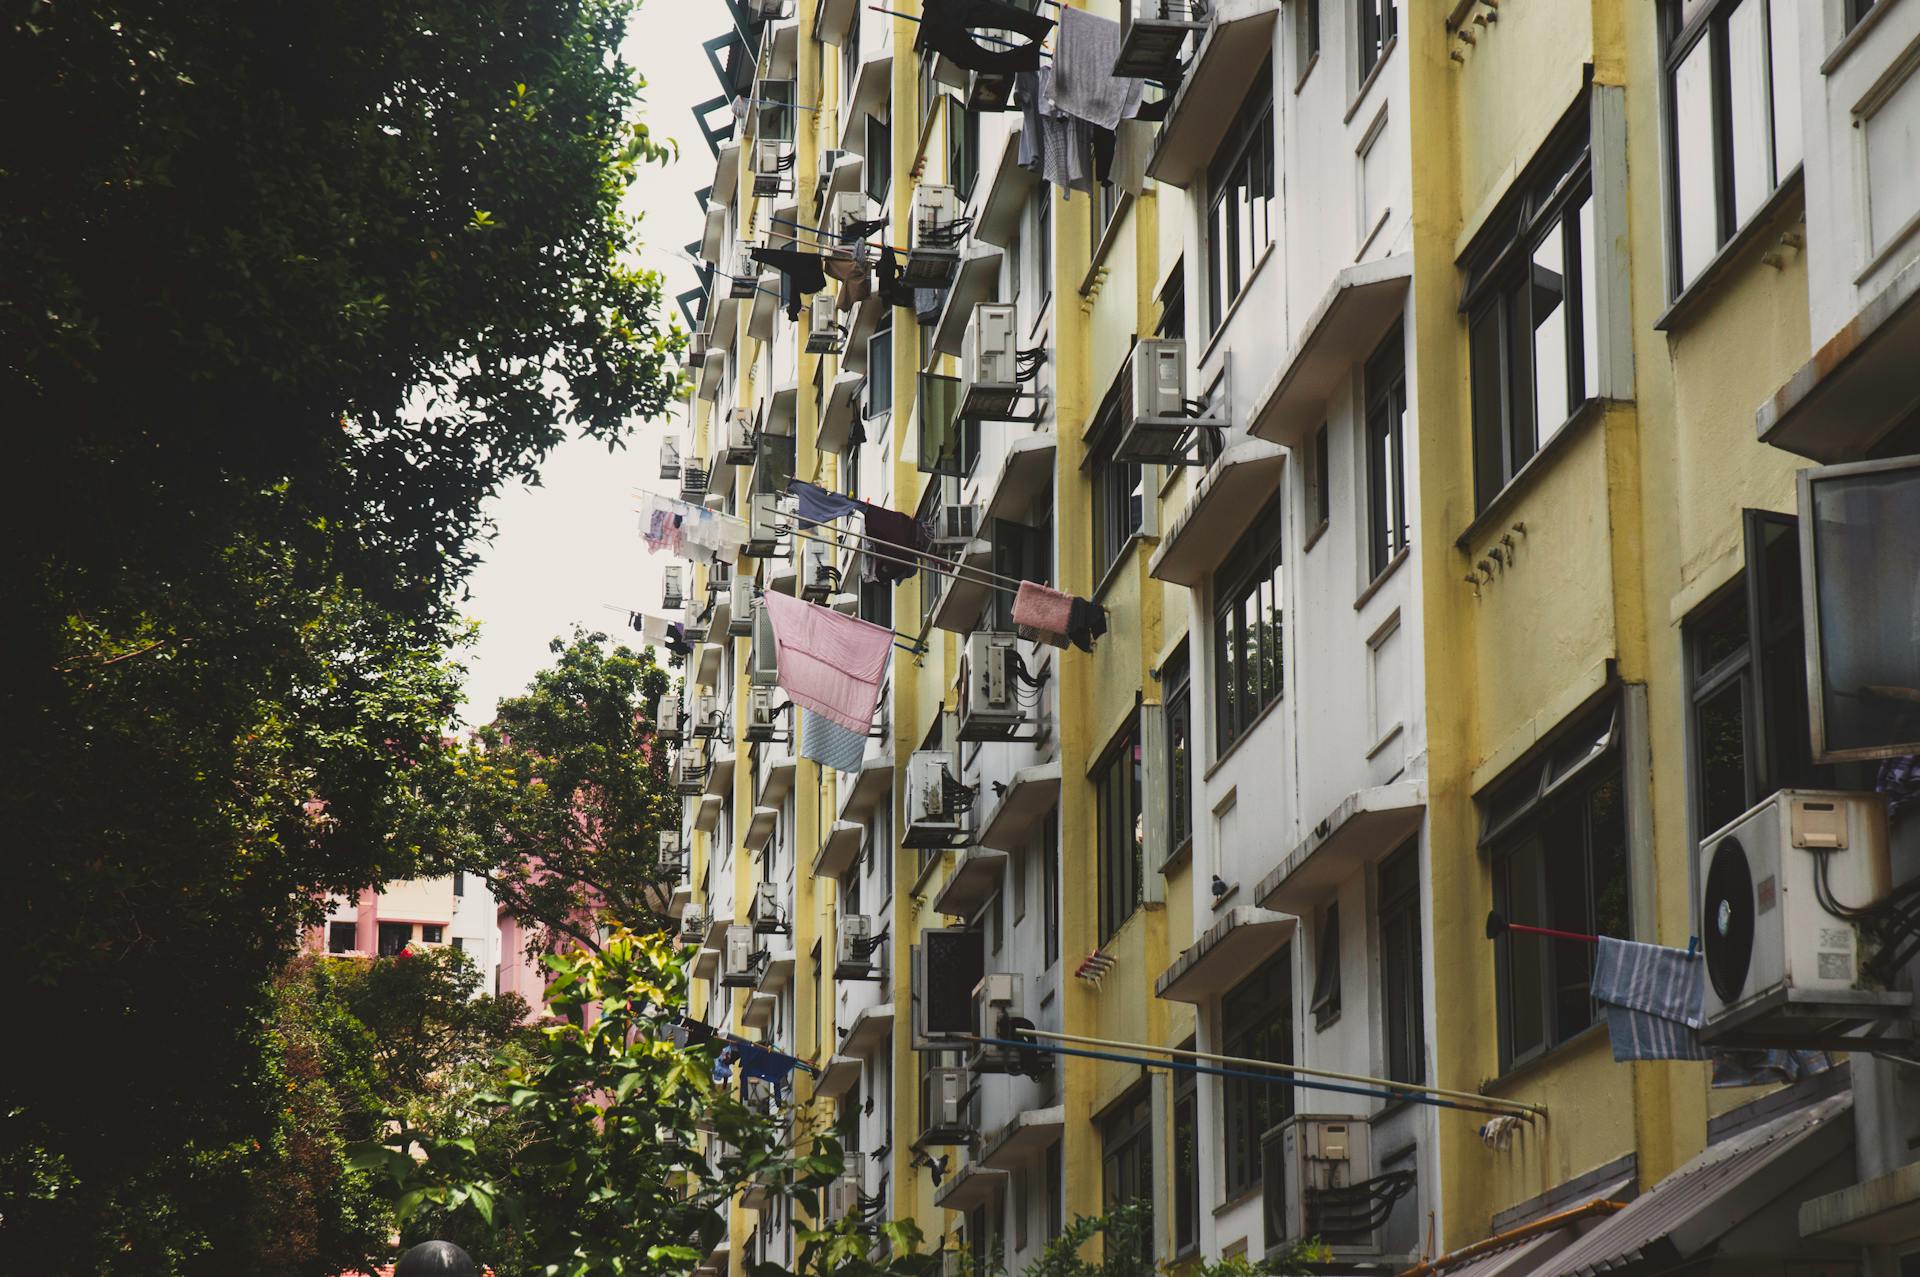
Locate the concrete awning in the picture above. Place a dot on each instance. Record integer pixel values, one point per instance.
(970, 1186)
(682, 897)
(1880, 1211)
(1241, 482)
(758, 1013)
(874, 778)
(862, 323)
(869, 1029)
(726, 176)
(713, 369)
(976, 876)
(1030, 796)
(837, 415)
(838, 1077)
(776, 778)
(838, 850)
(1025, 473)
(720, 774)
(783, 409)
(964, 598)
(1024, 1139)
(777, 974)
(1243, 938)
(759, 828)
(706, 813)
(1003, 194)
(846, 176)
(1858, 387)
(1343, 330)
(766, 305)
(713, 237)
(706, 962)
(870, 84)
(707, 664)
(1699, 1207)
(722, 612)
(1364, 828)
(1228, 57)
(783, 56)
(832, 20)
(977, 281)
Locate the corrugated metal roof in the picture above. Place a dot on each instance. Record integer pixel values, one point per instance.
(1525, 1255)
(1701, 1202)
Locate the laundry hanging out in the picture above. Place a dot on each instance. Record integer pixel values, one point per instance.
(946, 27)
(803, 270)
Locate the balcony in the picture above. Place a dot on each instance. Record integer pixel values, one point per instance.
(1350, 320)
(1366, 826)
(1229, 55)
(1243, 938)
(1241, 483)
(975, 878)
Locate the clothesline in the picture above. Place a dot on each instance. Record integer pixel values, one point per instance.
(928, 561)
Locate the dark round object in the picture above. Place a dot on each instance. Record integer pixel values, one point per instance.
(1496, 925)
(1727, 919)
(436, 1259)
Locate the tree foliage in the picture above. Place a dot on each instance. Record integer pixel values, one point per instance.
(611, 1146)
(1125, 1236)
(566, 793)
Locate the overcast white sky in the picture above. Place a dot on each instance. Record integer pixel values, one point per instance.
(571, 545)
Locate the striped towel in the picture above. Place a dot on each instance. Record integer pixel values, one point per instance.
(830, 744)
(1653, 996)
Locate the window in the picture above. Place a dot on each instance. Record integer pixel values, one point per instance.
(878, 161)
(340, 937)
(459, 882)
(1531, 317)
(876, 602)
(460, 943)
(1176, 677)
(850, 891)
(1376, 27)
(1186, 1158)
(1126, 1163)
(430, 933)
(1400, 971)
(1858, 10)
(1118, 799)
(1326, 969)
(880, 366)
(1557, 833)
(1173, 304)
(1386, 382)
(1043, 246)
(1319, 480)
(394, 937)
(1020, 552)
(850, 57)
(1103, 203)
(1240, 192)
(1257, 1019)
(1746, 673)
(1050, 885)
(931, 581)
(1733, 125)
(1119, 490)
(963, 148)
(1306, 36)
(1248, 631)
(1056, 1191)
(846, 1125)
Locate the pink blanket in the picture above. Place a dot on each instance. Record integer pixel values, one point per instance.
(1041, 608)
(829, 662)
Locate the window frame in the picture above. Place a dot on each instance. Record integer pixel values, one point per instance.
(1324, 1004)
(879, 372)
(1126, 1152)
(1185, 1152)
(1176, 677)
(1258, 560)
(1256, 1022)
(1246, 160)
(1385, 424)
(876, 174)
(1376, 27)
(1119, 487)
(1121, 872)
(1403, 1017)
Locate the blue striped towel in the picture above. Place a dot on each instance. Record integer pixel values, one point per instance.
(830, 744)
(1653, 996)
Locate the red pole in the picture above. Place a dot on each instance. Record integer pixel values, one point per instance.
(1549, 931)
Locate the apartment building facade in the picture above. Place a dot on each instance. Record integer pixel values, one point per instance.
(1424, 405)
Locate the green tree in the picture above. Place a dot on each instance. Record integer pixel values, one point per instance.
(610, 1146)
(1125, 1236)
(566, 793)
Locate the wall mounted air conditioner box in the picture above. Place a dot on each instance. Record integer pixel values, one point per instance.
(669, 459)
(955, 525)
(825, 336)
(738, 448)
(1307, 1162)
(737, 968)
(693, 480)
(693, 924)
(672, 596)
(689, 776)
(936, 815)
(945, 1095)
(740, 614)
(668, 726)
(933, 251)
(843, 1196)
(696, 354)
(771, 163)
(996, 1001)
(989, 359)
(764, 526)
(823, 168)
(847, 206)
(821, 577)
(706, 717)
(1152, 33)
(1154, 422)
(743, 280)
(989, 91)
(763, 664)
(672, 860)
(761, 724)
(989, 706)
(765, 911)
(1782, 969)
(856, 956)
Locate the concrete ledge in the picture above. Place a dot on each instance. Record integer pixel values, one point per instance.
(1225, 953)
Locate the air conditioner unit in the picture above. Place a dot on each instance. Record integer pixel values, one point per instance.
(1316, 1178)
(846, 207)
(738, 969)
(1152, 33)
(996, 1000)
(945, 1097)
(706, 717)
(933, 250)
(765, 526)
(1154, 422)
(954, 526)
(1782, 969)
(772, 10)
(763, 725)
(763, 663)
(844, 1197)
(667, 725)
(829, 161)
(693, 480)
(938, 805)
(693, 924)
(821, 577)
(695, 629)
(855, 950)
(672, 596)
(989, 359)
(738, 441)
(740, 611)
(845, 604)
(743, 279)
(772, 163)
(825, 336)
(689, 774)
(765, 912)
(989, 708)
(697, 347)
(671, 858)
(669, 459)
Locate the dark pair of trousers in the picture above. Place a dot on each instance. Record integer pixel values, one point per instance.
(946, 27)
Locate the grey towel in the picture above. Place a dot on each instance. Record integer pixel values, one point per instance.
(829, 744)
(1054, 146)
(1653, 996)
(1084, 85)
